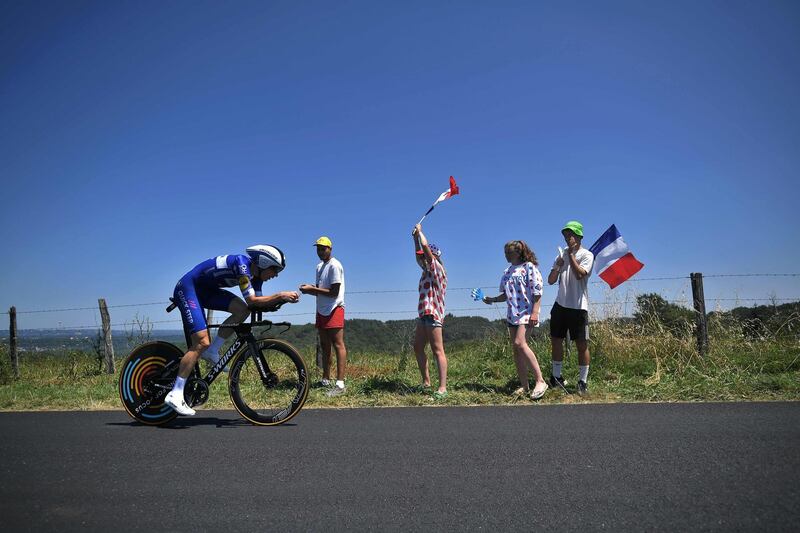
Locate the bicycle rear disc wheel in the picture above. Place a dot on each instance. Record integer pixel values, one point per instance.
(270, 387)
(145, 379)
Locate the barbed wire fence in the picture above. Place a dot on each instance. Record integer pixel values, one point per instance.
(698, 303)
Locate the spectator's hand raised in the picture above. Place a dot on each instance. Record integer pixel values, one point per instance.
(560, 259)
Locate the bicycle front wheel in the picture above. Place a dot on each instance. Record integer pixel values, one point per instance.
(268, 387)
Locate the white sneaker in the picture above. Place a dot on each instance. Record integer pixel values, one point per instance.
(335, 391)
(175, 400)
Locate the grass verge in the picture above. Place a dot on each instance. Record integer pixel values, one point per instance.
(629, 364)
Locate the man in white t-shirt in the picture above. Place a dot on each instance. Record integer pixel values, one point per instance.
(570, 313)
(329, 290)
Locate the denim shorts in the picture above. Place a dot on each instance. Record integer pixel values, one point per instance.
(427, 320)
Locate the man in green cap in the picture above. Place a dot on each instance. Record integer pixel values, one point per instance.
(570, 312)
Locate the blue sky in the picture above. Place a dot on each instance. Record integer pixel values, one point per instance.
(140, 138)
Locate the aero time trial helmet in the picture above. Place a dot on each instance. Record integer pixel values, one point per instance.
(266, 255)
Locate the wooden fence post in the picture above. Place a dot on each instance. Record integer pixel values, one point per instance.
(109, 344)
(12, 337)
(700, 312)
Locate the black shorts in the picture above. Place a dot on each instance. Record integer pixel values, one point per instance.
(563, 319)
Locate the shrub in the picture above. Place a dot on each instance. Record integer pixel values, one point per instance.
(6, 369)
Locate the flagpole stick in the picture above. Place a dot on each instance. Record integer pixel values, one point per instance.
(426, 214)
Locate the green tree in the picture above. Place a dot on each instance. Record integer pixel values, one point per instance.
(769, 320)
(655, 315)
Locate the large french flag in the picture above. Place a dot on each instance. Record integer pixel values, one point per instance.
(612, 260)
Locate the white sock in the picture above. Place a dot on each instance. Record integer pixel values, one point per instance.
(179, 384)
(340, 383)
(557, 368)
(583, 373)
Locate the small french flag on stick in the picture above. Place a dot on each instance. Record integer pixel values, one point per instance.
(449, 193)
(452, 191)
(613, 262)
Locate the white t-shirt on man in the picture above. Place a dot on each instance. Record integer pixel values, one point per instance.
(573, 293)
(329, 274)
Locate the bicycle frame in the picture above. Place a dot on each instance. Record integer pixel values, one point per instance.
(243, 335)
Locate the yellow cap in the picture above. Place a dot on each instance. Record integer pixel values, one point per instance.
(324, 241)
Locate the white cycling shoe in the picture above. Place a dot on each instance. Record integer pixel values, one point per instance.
(175, 400)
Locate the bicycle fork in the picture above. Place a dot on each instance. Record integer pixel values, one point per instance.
(268, 378)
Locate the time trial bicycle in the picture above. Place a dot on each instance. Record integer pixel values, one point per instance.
(268, 382)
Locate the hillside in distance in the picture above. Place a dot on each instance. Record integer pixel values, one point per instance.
(394, 336)
(362, 335)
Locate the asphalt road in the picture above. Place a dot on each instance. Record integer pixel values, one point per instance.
(654, 467)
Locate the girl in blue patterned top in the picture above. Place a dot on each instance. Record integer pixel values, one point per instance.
(521, 289)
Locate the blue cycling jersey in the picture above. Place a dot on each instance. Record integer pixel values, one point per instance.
(202, 286)
(227, 271)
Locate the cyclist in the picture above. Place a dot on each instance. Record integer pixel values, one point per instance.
(201, 288)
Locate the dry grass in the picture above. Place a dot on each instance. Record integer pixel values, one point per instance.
(630, 362)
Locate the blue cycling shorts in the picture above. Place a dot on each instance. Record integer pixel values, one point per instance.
(191, 299)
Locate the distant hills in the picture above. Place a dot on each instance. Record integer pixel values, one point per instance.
(360, 335)
(396, 336)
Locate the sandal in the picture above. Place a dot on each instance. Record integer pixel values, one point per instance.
(537, 393)
(439, 395)
(520, 392)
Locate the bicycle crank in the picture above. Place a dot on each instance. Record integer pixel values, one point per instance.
(196, 392)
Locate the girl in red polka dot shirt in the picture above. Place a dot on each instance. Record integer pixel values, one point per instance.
(432, 288)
